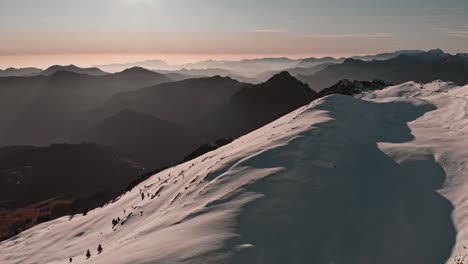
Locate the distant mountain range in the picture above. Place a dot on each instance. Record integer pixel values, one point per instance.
(245, 70)
(211, 108)
(72, 68)
(53, 106)
(310, 62)
(424, 67)
(208, 72)
(19, 72)
(180, 102)
(149, 64)
(247, 67)
(108, 109)
(67, 102)
(294, 71)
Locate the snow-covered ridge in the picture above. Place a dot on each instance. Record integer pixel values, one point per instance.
(380, 179)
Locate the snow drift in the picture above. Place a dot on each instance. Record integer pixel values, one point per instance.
(375, 179)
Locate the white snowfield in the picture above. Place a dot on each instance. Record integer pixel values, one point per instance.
(381, 179)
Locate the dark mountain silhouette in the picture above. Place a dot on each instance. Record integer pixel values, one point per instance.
(72, 68)
(347, 87)
(40, 110)
(151, 141)
(210, 109)
(179, 102)
(246, 67)
(255, 106)
(386, 55)
(138, 71)
(251, 68)
(294, 71)
(175, 76)
(209, 72)
(309, 62)
(148, 64)
(19, 72)
(424, 67)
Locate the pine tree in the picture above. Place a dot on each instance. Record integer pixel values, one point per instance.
(88, 254)
(99, 249)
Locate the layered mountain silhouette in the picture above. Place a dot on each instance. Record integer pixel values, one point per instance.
(424, 67)
(72, 68)
(310, 62)
(180, 102)
(246, 67)
(264, 76)
(153, 142)
(310, 66)
(148, 64)
(88, 108)
(19, 71)
(386, 55)
(255, 106)
(54, 106)
(208, 72)
(140, 118)
(184, 115)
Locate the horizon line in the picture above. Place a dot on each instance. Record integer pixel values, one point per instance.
(172, 59)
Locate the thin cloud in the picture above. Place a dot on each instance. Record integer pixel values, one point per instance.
(458, 34)
(440, 29)
(268, 30)
(335, 36)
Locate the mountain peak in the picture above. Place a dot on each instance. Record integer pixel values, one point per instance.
(277, 89)
(282, 77)
(137, 70)
(63, 73)
(72, 68)
(436, 52)
(62, 67)
(283, 80)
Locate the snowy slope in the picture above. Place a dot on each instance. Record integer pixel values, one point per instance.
(381, 179)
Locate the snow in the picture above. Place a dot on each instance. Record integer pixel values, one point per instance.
(375, 179)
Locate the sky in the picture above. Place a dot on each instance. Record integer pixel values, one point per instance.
(88, 32)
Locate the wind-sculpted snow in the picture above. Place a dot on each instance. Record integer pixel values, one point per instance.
(342, 180)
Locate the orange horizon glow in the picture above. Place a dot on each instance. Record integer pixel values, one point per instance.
(90, 60)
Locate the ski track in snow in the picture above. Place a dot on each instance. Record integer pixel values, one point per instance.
(324, 184)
